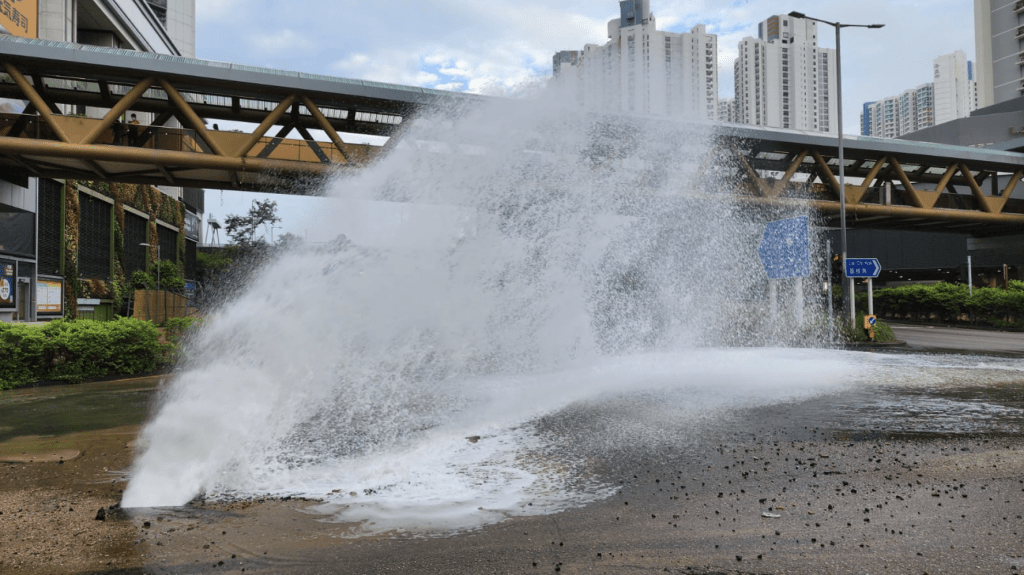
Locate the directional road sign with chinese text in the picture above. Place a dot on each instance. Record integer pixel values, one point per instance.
(862, 268)
(786, 249)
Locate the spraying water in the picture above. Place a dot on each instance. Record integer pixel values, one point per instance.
(540, 258)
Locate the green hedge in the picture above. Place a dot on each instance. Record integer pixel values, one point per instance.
(951, 303)
(77, 350)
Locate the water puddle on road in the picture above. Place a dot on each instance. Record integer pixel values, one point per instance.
(67, 409)
(928, 395)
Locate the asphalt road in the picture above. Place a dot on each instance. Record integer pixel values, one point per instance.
(884, 479)
(943, 338)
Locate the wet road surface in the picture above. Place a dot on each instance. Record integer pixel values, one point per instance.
(944, 338)
(888, 479)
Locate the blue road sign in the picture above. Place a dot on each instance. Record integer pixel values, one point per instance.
(786, 249)
(862, 268)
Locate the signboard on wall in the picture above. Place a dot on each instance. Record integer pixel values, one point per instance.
(8, 285)
(50, 297)
(192, 226)
(20, 17)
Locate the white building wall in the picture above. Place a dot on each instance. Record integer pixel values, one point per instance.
(955, 92)
(643, 70)
(983, 52)
(17, 196)
(751, 87)
(181, 25)
(784, 80)
(57, 20)
(727, 110)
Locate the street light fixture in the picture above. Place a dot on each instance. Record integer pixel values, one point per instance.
(157, 264)
(847, 284)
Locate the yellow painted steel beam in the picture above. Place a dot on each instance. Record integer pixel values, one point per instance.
(854, 194)
(920, 198)
(946, 178)
(265, 126)
(41, 106)
(1012, 184)
(321, 120)
(122, 106)
(989, 204)
(165, 158)
(778, 187)
(827, 170)
(934, 214)
(190, 115)
(880, 211)
(760, 186)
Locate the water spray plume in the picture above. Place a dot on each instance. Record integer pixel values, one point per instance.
(531, 258)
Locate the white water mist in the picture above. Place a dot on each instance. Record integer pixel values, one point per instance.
(543, 258)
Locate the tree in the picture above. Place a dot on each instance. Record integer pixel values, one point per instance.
(289, 241)
(242, 229)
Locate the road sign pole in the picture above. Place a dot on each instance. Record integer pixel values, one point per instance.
(871, 296)
(850, 289)
(773, 300)
(800, 302)
(828, 251)
(970, 276)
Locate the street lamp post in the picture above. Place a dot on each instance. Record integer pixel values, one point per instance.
(252, 222)
(847, 291)
(157, 264)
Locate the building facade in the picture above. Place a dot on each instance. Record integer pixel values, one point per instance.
(643, 70)
(956, 92)
(727, 111)
(72, 244)
(896, 116)
(999, 45)
(784, 79)
(953, 94)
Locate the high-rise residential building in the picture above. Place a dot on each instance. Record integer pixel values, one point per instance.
(644, 70)
(567, 58)
(33, 227)
(895, 116)
(952, 95)
(999, 45)
(784, 79)
(955, 88)
(727, 111)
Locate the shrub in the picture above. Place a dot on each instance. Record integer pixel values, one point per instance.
(23, 354)
(142, 280)
(76, 350)
(883, 333)
(171, 277)
(176, 328)
(988, 306)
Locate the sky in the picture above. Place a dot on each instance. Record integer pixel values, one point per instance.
(492, 47)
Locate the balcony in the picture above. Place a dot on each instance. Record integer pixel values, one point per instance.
(1020, 32)
(1019, 6)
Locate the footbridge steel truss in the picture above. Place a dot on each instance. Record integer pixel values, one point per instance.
(895, 184)
(891, 183)
(53, 137)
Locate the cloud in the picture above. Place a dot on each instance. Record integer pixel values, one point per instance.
(214, 10)
(279, 41)
(503, 47)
